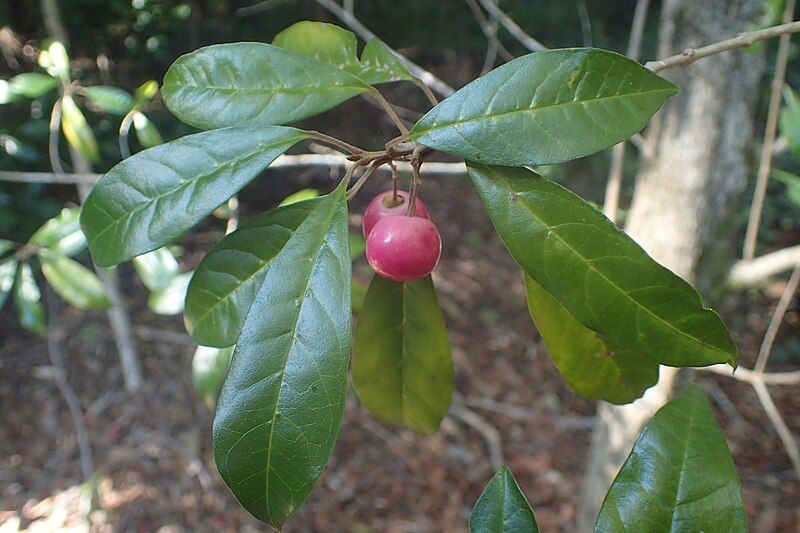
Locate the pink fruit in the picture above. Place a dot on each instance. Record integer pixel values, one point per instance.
(382, 206)
(404, 248)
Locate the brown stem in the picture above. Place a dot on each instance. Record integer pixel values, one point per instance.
(389, 110)
(355, 150)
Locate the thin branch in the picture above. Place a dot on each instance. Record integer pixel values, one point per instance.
(753, 271)
(748, 376)
(789, 442)
(770, 132)
(354, 24)
(512, 27)
(489, 29)
(55, 133)
(777, 318)
(124, 129)
(389, 110)
(258, 8)
(490, 434)
(586, 22)
(48, 177)
(743, 40)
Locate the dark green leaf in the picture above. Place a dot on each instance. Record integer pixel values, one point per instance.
(151, 198)
(280, 408)
(598, 273)
(679, 476)
(502, 508)
(62, 233)
(146, 132)
(8, 273)
(588, 364)
(253, 83)
(32, 84)
(27, 298)
(74, 282)
(231, 274)
(111, 99)
(402, 367)
(77, 130)
(170, 300)
(157, 269)
(209, 368)
(546, 107)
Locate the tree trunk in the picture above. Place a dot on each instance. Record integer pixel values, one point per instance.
(685, 194)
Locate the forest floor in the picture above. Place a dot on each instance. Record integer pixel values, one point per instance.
(152, 456)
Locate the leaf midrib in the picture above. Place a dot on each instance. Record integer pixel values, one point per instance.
(273, 90)
(591, 267)
(534, 110)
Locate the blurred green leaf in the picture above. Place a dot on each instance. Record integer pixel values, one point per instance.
(358, 293)
(299, 196)
(145, 92)
(502, 508)
(55, 60)
(8, 273)
(792, 182)
(73, 282)
(18, 150)
(77, 130)
(357, 245)
(27, 298)
(209, 368)
(146, 132)
(111, 99)
(170, 300)
(62, 233)
(789, 119)
(157, 269)
(32, 84)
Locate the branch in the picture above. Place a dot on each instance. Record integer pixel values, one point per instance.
(743, 40)
(489, 29)
(753, 271)
(777, 317)
(512, 27)
(749, 376)
(354, 24)
(789, 442)
(488, 431)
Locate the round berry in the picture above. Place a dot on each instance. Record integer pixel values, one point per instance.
(386, 205)
(404, 248)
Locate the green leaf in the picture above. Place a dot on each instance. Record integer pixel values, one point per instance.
(55, 60)
(281, 406)
(73, 282)
(789, 120)
(209, 368)
(402, 366)
(151, 198)
(111, 99)
(230, 275)
(7, 96)
(5, 246)
(792, 182)
(18, 150)
(502, 508)
(598, 273)
(170, 300)
(27, 298)
(357, 245)
(8, 273)
(253, 83)
(62, 233)
(546, 107)
(77, 130)
(359, 293)
(679, 476)
(32, 84)
(299, 196)
(589, 364)
(157, 269)
(146, 132)
(145, 93)
(381, 64)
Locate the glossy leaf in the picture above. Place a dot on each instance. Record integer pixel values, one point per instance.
(589, 364)
(8, 273)
(146, 132)
(209, 368)
(546, 107)
(152, 197)
(598, 273)
(230, 275)
(62, 233)
(28, 300)
(679, 476)
(73, 282)
(253, 83)
(402, 366)
(502, 508)
(280, 408)
(381, 64)
(32, 84)
(77, 130)
(111, 99)
(170, 300)
(157, 269)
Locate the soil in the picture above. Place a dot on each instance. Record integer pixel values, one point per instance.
(152, 454)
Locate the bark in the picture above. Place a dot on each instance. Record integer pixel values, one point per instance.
(686, 193)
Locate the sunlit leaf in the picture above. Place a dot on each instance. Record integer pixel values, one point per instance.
(77, 130)
(8, 273)
(146, 132)
(73, 282)
(157, 269)
(170, 300)
(145, 92)
(27, 298)
(32, 84)
(55, 60)
(111, 99)
(299, 196)
(209, 368)
(62, 233)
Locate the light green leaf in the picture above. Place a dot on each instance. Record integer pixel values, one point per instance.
(32, 84)
(502, 508)
(7, 96)
(792, 182)
(18, 150)
(281, 406)
(253, 83)
(157, 269)
(679, 476)
(359, 293)
(599, 274)
(27, 298)
(5, 246)
(8, 273)
(146, 132)
(170, 300)
(589, 364)
(231, 274)
(55, 61)
(789, 120)
(546, 107)
(111, 99)
(402, 366)
(299, 196)
(381, 64)
(149, 199)
(357, 245)
(73, 282)
(145, 93)
(62, 234)
(77, 130)
(209, 368)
